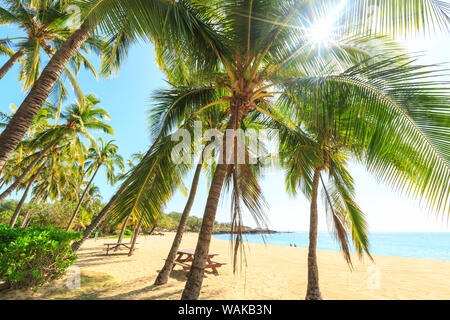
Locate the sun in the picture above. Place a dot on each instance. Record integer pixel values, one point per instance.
(321, 33)
(323, 28)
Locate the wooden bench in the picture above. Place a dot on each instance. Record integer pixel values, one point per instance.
(184, 265)
(189, 253)
(116, 246)
(214, 265)
(211, 264)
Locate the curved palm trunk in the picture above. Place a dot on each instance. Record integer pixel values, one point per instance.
(122, 232)
(74, 215)
(163, 275)
(135, 235)
(22, 119)
(27, 218)
(28, 169)
(195, 277)
(313, 291)
(8, 65)
(24, 196)
(96, 222)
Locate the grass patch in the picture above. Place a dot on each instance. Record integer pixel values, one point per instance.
(93, 285)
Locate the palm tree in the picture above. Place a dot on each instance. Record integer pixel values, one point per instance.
(163, 275)
(134, 157)
(25, 194)
(305, 163)
(80, 117)
(163, 21)
(106, 155)
(256, 54)
(337, 123)
(44, 29)
(262, 55)
(60, 179)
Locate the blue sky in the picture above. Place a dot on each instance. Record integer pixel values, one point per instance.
(127, 98)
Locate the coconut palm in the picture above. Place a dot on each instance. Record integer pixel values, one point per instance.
(43, 30)
(266, 57)
(60, 179)
(306, 157)
(161, 20)
(135, 157)
(25, 194)
(80, 118)
(257, 50)
(104, 155)
(163, 275)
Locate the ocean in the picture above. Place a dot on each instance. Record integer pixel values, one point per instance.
(433, 245)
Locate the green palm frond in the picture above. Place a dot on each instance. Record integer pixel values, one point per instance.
(150, 185)
(396, 114)
(178, 104)
(345, 211)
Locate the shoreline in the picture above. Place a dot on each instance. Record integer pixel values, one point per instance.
(389, 244)
(334, 251)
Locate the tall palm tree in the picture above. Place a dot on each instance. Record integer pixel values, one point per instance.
(80, 118)
(264, 55)
(337, 123)
(104, 155)
(257, 50)
(44, 28)
(60, 179)
(163, 275)
(136, 157)
(305, 162)
(162, 20)
(25, 194)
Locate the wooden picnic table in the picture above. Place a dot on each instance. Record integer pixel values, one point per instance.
(187, 255)
(116, 246)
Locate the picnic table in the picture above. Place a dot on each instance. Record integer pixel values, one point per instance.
(187, 255)
(116, 246)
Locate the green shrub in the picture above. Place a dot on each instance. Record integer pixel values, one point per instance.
(30, 257)
(128, 233)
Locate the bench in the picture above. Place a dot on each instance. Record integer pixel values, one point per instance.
(214, 265)
(184, 265)
(211, 264)
(116, 246)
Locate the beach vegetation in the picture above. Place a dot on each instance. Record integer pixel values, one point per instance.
(30, 257)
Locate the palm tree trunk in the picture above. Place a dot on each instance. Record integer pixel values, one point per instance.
(195, 277)
(8, 65)
(22, 119)
(28, 169)
(163, 275)
(24, 196)
(124, 227)
(313, 291)
(96, 222)
(135, 235)
(27, 215)
(72, 219)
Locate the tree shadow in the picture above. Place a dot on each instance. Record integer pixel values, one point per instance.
(147, 289)
(101, 262)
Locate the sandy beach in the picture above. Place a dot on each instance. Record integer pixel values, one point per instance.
(271, 272)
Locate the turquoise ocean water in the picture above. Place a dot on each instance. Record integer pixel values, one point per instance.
(433, 245)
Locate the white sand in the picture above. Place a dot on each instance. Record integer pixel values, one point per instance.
(272, 272)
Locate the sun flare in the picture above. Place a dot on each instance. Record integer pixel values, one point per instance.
(321, 33)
